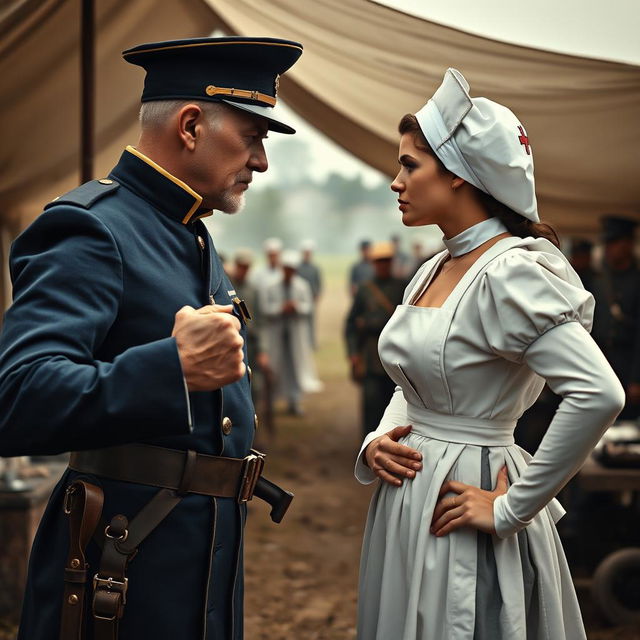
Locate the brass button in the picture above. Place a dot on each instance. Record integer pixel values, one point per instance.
(201, 242)
(105, 181)
(226, 426)
(73, 599)
(256, 422)
(211, 90)
(75, 563)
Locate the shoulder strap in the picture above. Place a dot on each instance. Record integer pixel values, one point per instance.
(87, 194)
(380, 296)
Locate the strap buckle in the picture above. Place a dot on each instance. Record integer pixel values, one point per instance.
(110, 585)
(68, 497)
(251, 469)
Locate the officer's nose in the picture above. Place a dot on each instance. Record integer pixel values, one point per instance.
(258, 160)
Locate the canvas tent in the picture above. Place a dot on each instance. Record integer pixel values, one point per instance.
(364, 66)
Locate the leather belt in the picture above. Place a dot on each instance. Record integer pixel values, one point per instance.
(183, 471)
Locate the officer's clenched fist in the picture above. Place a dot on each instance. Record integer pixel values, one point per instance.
(209, 346)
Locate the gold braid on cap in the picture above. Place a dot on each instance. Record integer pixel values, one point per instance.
(212, 90)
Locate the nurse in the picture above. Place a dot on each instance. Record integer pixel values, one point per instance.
(460, 541)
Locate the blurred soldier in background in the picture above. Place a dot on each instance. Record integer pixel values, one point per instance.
(362, 270)
(401, 262)
(287, 305)
(580, 259)
(272, 271)
(418, 257)
(256, 348)
(619, 294)
(311, 273)
(374, 303)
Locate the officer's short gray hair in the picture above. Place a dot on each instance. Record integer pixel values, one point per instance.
(155, 113)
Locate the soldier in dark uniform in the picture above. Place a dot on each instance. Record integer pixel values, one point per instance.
(362, 270)
(373, 305)
(617, 327)
(581, 261)
(124, 330)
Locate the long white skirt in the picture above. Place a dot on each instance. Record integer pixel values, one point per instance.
(415, 586)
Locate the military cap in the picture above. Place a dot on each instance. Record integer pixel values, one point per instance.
(382, 251)
(580, 245)
(272, 245)
(291, 259)
(243, 256)
(240, 72)
(482, 142)
(614, 227)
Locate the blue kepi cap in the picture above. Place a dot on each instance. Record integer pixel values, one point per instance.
(241, 72)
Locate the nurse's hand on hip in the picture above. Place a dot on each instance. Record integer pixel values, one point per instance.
(470, 507)
(390, 460)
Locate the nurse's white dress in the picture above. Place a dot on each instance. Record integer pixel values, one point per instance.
(465, 373)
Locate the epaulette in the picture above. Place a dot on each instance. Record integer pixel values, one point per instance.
(87, 194)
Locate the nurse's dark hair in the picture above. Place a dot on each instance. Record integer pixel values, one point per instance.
(516, 224)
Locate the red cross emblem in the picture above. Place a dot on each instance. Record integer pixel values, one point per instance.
(524, 140)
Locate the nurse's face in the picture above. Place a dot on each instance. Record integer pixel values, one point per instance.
(425, 191)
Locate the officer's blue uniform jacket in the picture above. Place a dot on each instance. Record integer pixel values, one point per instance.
(87, 361)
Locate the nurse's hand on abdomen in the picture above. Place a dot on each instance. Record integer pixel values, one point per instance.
(392, 461)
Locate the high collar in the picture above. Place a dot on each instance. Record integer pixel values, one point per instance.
(474, 236)
(156, 185)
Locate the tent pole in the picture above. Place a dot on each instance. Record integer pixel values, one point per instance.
(87, 90)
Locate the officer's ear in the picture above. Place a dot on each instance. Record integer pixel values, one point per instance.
(189, 120)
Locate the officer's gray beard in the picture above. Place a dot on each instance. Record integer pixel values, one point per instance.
(231, 202)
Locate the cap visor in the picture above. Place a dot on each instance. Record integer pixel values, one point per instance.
(275, 124)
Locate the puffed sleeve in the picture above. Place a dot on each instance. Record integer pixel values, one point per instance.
(523, 294)
(534, 310)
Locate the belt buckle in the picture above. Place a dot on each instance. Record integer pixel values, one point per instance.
(252, 467)
(111, 585)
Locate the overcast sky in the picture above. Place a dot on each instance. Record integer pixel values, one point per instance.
(608, 29)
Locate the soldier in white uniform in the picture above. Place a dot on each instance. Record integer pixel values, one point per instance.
(271, 271)
(287, 305)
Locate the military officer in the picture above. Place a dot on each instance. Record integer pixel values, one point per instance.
(373, 305)
(617, 294)
(124, 346)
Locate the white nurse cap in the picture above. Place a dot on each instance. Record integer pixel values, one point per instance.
(482, 142)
